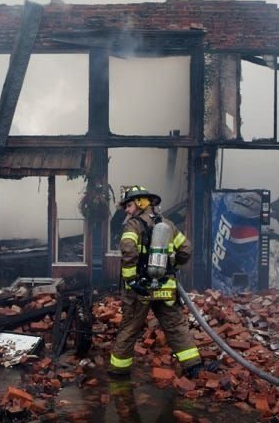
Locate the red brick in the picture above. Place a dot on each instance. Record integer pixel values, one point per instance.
(55, 383)
(182, 417)
(211, 383)
(25, 399)
(39, 326)
(45, 363)
(91, 382)
(158, 373)
(117, 319)
(108, 315)
(225, 328)
(140, 350)
(208, 354)
(160, 337)
(184, 383)
(240, 345)
(261, 403)
(244, 406)
(236, 331)
(194, 394)
(148, 342)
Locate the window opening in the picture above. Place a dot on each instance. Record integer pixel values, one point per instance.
(149, 96)
(257, 101)
(70, 225)
(54, 96)
(23, 228)
(4, 64)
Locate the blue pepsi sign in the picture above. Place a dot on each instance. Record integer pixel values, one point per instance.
(236, 227)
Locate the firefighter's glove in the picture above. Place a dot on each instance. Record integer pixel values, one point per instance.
(138, 287)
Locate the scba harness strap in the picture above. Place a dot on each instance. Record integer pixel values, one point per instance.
(166, 289)
(146, 236)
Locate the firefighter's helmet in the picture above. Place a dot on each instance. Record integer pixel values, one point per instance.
(137, 191)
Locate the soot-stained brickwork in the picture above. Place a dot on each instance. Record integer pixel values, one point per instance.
(229, 25)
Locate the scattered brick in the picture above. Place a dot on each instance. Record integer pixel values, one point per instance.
(184, 384)
(183, 417)
(159, 373)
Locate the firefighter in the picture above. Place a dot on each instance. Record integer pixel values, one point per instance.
(137, 293)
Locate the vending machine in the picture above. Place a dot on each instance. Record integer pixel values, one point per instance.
(240, 240)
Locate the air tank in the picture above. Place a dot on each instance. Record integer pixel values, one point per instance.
(158, 255)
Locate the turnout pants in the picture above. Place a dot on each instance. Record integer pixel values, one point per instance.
(172, 320)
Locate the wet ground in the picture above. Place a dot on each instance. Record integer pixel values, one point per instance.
(135, 400)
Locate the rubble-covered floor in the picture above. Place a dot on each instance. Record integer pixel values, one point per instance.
(138, 400)
(69, 388)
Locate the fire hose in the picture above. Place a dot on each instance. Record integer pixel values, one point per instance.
(222, 344)
(160, 237)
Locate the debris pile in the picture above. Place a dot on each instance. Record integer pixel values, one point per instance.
(247, 322)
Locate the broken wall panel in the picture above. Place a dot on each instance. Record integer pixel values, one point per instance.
(44, 161)
(229, 83)
(222, 98)
(212, 106)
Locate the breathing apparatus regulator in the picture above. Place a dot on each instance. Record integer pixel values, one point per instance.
(158, 253)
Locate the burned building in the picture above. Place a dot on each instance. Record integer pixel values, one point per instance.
(210, 41)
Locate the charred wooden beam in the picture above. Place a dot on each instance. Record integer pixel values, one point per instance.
(110, 141)
(51, 223)
(19, 319)
(98, 129)
(197, 93)
(115, 141)
(61, 332)
(258, 144)
(26, 37)
(238, 97)
(98, 93)
(127, 43)
(275, 100)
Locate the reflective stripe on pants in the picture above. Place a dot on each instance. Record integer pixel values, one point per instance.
(121, 363)
(188, 354)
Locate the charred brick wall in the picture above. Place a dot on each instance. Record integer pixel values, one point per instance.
(229, 25)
